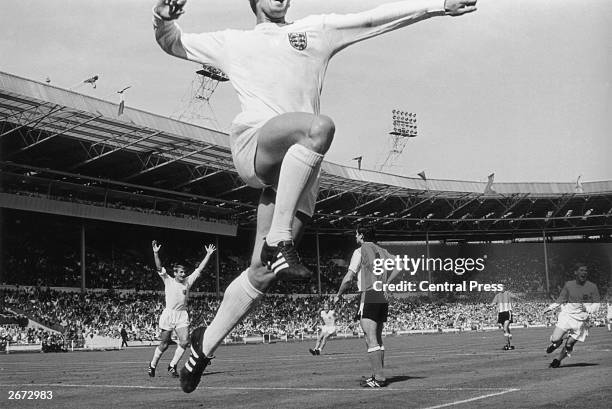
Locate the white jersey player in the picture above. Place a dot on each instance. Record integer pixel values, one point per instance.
(175, 317)
(579, 299)
(503, 301)
(279, 139)
(327, 330)
(609, 310)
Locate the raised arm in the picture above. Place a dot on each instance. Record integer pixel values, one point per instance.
(156, 247)
(210, 249)
(161, 271)
(350, 28)
(204, 48)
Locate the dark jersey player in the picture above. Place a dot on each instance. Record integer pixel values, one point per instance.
(373, 304)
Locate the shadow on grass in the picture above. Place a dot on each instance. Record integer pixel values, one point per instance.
(576, 365)
(402, 378)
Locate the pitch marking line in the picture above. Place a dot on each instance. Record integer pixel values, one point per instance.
(275, 388)
(459, 402)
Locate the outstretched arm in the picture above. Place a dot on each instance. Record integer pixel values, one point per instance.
(350, 28)
(202, 48)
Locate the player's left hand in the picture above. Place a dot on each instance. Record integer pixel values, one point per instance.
(170, 9)
(210, 249)
(459, 7)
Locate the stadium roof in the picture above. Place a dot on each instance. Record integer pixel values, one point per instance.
(53, 139)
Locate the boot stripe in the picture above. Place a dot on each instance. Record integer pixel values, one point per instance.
(194, 353)
(281, 267)
(278, 262)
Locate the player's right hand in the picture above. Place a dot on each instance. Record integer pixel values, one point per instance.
(459, 7)
(170, 9)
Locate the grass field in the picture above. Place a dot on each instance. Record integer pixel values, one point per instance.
(466, 370)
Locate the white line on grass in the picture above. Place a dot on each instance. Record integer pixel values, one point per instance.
(459, 402)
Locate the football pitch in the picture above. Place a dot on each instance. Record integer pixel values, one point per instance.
(467, 370)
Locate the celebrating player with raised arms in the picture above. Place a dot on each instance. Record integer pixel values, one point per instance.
(175, 317)
(279, 138)
(609, 303)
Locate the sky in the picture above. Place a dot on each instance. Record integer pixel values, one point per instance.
(519, 88)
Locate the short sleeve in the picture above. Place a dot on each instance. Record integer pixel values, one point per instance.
(355, 264)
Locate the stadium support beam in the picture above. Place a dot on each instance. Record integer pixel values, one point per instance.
(173, 160)
(419, 202)
(118, 148)
(382, 197)
(217, 256)
(318, 263)
(545, 261)
(1, 245)
(333, 196)
(83, 257)
(18, 112)
(33, 121)
(198, 179)
(38, 142)
(462, 205)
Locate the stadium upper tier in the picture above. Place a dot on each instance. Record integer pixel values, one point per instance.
(53, 136)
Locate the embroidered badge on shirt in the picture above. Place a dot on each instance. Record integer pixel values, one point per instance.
(299, 41)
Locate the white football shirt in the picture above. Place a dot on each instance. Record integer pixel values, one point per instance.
(279, 69)
(177, 294)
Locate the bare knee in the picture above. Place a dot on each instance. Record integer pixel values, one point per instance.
(163, 346)
(184, 344)
(321, 134)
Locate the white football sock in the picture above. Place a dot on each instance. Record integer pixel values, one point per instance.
(177, 355)
(158, 353)
(240, 296)
(298, 165)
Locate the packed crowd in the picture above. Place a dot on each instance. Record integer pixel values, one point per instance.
(519, 267)
(77, 315)
(16, 334)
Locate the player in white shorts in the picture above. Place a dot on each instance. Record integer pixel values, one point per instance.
(175, 317)
(609, 309)
(327, 330)
(503, 300)
(280, 137)
(579, 299)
